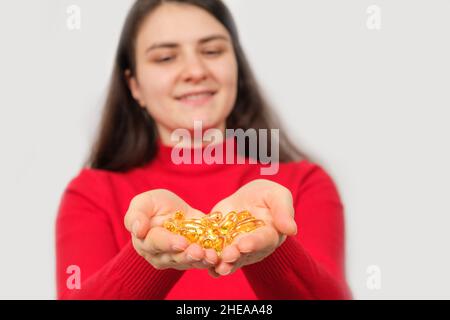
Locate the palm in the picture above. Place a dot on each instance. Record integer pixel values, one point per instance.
(166, 204)
(258, 198)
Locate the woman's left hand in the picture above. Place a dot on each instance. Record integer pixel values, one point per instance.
(265, 200)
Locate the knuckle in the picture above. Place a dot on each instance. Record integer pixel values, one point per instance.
(151, 242)
(158, 266)
(129, 218)
(135, 200)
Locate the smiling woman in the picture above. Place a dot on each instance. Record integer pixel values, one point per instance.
(182, 77)
(169, 50)
(180, 63)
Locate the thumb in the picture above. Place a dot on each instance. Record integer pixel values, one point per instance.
(280, 203)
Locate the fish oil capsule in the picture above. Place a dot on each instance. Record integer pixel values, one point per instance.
(226, 227)
(191, 224)
(231, 216)
(249, 219)
(190, 234)
(170, 225)
(228, 222)
(207, 243)
(231, 236)
(208, 223)
(249, 226)
(243, 215)
(215, 216)
(179, 215)
(218, 245)
(214, 230)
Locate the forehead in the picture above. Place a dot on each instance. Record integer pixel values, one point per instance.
(181, 23)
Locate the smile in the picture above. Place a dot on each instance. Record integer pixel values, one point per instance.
(196, 99)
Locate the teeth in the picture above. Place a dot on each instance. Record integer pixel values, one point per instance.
(196, 96)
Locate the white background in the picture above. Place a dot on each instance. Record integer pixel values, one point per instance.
(372, 106)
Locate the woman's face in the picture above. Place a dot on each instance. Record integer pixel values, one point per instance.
(186, 69)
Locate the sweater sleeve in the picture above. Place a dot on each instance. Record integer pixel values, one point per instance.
(89, 263)
(309, 265)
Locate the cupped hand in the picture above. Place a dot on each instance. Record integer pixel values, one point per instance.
(160, 247)
(265, 200)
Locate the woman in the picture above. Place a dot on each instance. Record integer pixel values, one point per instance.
(180, 62)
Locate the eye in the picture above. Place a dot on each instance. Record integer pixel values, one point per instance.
(165, 59)
(213, 53)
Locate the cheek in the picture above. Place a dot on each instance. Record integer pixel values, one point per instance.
(156, 86)
(227, 75)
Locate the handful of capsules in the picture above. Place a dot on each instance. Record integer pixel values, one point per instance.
(214, 230)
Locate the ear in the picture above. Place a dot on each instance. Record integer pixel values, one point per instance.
(134, 88)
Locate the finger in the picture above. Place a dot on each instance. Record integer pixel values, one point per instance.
(192, 256)
(136, 222)
(261, 239)
(279, 200)
(230, 253)
(148, 204)
(140, 225)
(160, 240)
(212, 272)
(224, 268)
(211, 257)
(195, 252)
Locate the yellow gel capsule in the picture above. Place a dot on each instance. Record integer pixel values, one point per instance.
(230, 236)
(249, 219)
(207, 243)
(218, 244)
(191, 224)
(249, 226)
(190, 234)
(228, 222)
(169, 225)
(209, 223)
(231, 216)
(227, 226)
(179, 215)
(215, 216)
(214, 230)
(243, 215)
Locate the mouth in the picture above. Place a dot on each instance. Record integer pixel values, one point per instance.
(196, 98)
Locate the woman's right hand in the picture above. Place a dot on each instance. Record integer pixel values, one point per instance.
(160, 247)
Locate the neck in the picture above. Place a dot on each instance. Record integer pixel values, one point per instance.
(213, 157)
(191, 137)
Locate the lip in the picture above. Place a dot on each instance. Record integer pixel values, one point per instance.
(196, 102)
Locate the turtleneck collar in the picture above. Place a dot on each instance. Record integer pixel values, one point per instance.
(196, 158)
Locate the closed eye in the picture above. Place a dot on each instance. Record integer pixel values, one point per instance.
(165, 59)
(213, 52)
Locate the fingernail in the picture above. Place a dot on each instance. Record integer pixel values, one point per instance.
(225, 273)
(178, 247)
(135, 228)
(192, 258)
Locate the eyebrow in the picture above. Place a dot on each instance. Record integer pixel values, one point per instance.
(172, 45)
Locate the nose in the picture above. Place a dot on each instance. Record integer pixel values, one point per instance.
(194, 70)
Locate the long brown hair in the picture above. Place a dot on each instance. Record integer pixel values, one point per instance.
(127, 136)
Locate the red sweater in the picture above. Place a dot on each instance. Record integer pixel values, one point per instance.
(91, 235)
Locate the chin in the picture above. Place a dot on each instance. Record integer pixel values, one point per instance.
(206, 123)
